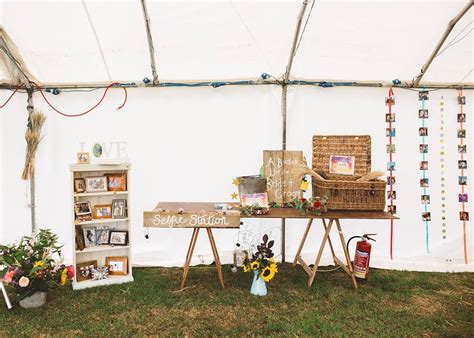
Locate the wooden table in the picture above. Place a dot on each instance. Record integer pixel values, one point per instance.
(328, 220)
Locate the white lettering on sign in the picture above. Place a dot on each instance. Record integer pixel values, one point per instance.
(193, 220)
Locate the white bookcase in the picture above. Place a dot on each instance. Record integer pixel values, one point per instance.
(99, 253)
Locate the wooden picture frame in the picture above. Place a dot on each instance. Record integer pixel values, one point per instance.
(84, 270)
(117, 265)
(79, 185)
(83, 158)
(102, 211)
(118, 237)
(116, 182)
(96, 184)
(119, 208)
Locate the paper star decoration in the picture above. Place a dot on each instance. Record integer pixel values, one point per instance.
(235, 181)
(234, 195)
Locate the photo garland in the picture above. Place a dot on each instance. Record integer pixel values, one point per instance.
(390, 133)
(423, 96)
(442, 167)
(462, 165)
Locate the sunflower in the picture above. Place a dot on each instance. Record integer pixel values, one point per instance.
(269, 272)
(38, 264)
(246, 267)
(255, 265)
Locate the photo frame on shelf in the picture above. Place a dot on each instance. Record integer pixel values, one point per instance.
(102, 211)
(119, 208)
(84, 270)
(83, 158)
(96, 184)
(102, 236)
(117, 237)
(117, 265)
(80, 243)
(116, 182)
(82, 211)
(90, 236)
(79, 185)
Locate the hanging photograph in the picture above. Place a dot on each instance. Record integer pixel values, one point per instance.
(424, 182)
(96, 184)
(461, 100)
(424, 165)
(390, 117)
(390, 180)
(462, 164)
(391, 166)
(116, 182)
(461, 118)
(390, 148)
(392, 209)
(423, 95)
(462, 180)
(461, 133)
(102, 211)
(392, 195)
(463, 216)
(390, 101)
(426, 216)
(425, 199)
(119, 208)
(118, 237)
(79, 185)
(463, 198)
(390, 132)
(423, 113)
(423, 131)
(462, 148)
(89, 236)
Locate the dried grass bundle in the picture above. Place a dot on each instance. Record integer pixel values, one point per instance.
(33, 138)
(371, 176)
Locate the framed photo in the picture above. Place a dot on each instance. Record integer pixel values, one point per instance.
(83, 218)
(117, 237)
(423, 113)
(102, 211)
(423, 95)
(90, 236)
(119, 208)
(117, 265)
(102, 236)
(82, 208)
(260, 199)
(83, 158)
(79, 185)
(344, 165)
(96, 184)
(116, 182)
(84, 270)
(80, 243)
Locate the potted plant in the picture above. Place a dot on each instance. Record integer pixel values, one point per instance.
(263, 265)
(32, 269)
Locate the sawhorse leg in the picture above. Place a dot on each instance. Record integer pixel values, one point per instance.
(189, 255)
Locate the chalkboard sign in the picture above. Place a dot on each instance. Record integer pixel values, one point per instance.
(282, 185)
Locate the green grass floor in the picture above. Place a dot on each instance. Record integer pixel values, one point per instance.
(392, 303)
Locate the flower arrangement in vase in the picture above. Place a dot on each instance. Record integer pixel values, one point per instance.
(262, 263)
(32, 268)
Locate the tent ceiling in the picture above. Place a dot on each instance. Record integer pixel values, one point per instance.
(345, 40)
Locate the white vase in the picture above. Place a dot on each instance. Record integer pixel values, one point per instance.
(37, 299)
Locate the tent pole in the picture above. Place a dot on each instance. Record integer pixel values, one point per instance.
(452, 23)
(30, 109)
(151, 47)
(284, 94)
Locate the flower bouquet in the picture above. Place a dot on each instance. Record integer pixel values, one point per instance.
(314, 205)
(263, 264)
(31, 266)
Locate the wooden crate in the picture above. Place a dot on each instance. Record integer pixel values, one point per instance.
(346, 193)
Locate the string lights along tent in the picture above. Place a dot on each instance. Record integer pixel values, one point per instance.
(211, 84)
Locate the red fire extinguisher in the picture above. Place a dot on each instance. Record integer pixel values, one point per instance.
(362, 255)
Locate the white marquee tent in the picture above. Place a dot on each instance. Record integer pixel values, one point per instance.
(187, 141)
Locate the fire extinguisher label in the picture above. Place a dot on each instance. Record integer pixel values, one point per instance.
(361, 261)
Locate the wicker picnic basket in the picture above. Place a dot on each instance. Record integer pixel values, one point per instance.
(346, 193)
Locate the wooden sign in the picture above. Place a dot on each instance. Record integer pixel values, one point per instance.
(204, 219)
(282, 185)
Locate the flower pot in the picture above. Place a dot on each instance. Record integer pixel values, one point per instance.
(259, 287)
(37, 299)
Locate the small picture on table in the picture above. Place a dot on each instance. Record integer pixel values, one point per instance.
(390, 132)
(423, 95)
(424, 165)
(425, 199)
(462, 164)
(79, 185)
(423, 113)
(89, 236)
(83, 158)
(461, 117)
(462, 148)
(392, 195)
(96, 184)
(116, 182)
(424, 182)
(103, 211)
(390, 117)
(463, 198)
(461, 100)
(423, 131)
(461, 133)
(119, 208)
(462, 180)
(463, 216)
(117, 265)
(426, 216)
(392, 209)
(391, 166)
(423, 148)
(118, 237)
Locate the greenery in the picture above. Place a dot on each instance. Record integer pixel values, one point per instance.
(250, 210)
(393, 303)
(314, 205)
(31, 264)
(262, 261)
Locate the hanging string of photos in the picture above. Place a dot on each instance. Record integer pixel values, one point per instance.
(423, 96)
(390, 133)
(462, 165)
(442, 167)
